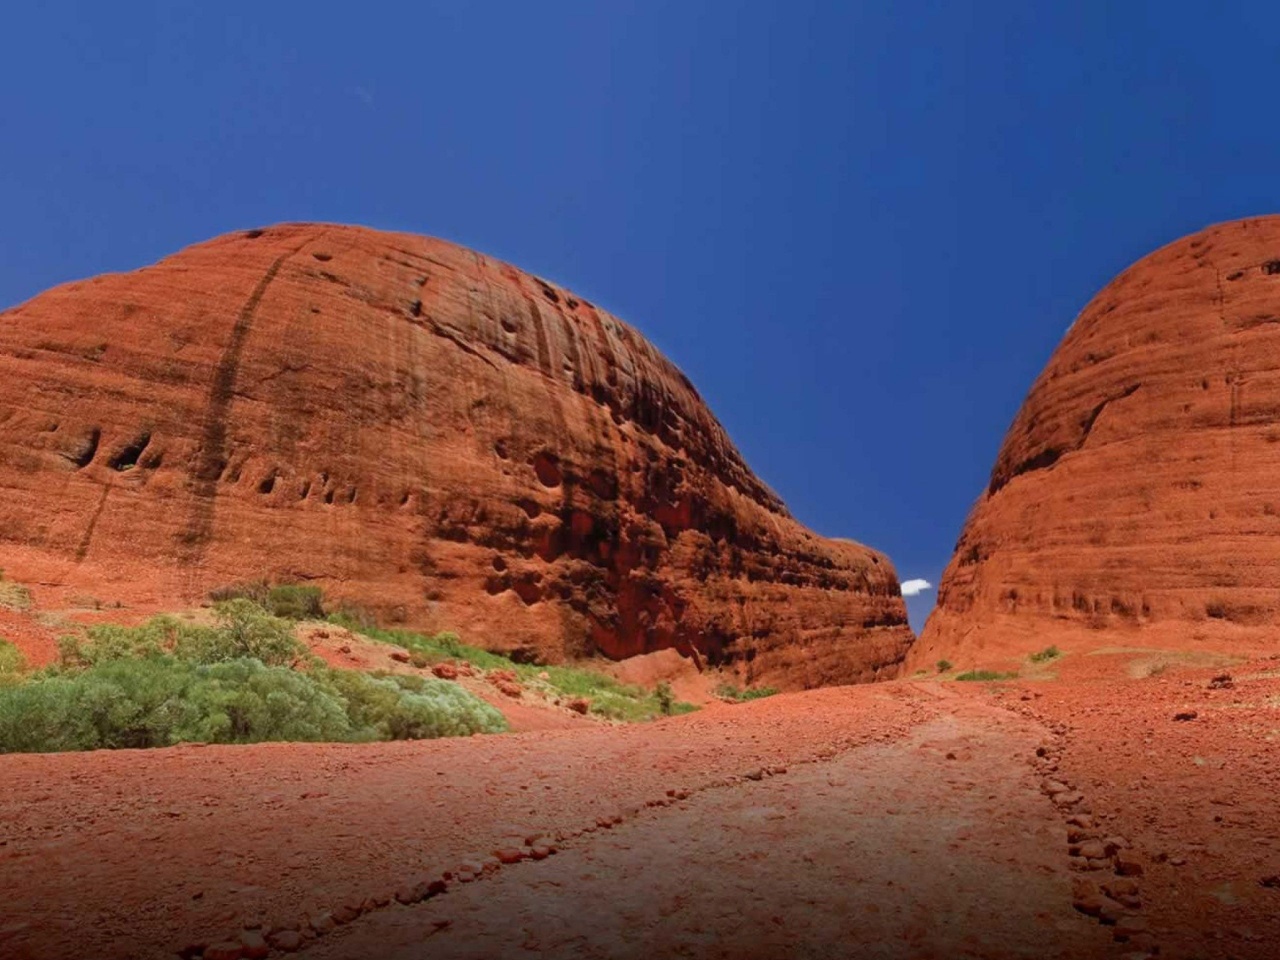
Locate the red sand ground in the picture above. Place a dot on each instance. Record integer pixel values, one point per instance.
(906, 819)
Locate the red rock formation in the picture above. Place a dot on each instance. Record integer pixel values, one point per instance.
(1135, 499)
(426, 432)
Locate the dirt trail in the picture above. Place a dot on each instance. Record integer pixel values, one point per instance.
(895, 820)
(936, 844)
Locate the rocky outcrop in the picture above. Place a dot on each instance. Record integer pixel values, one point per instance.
(428, 433)
(1135, 497)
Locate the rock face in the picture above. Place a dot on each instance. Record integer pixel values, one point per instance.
(1135, 499)
(428, 433)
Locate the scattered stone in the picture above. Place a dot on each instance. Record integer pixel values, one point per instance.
(509, 854)
(1222, 681)
(1092, 850)
(399, 656)
(1114, 844)
(1129, 925)
(227, 950)
(755, 775)
(579, 705)
(1129, 866)
(254, 945)
(288, 941)
(1271, 882)
(509, 688)
(1120, 887)
(323, 923)
(1054, 787)
(1067, 799)
(346, 913)
(1080, 820)
(445, 671)
(540, 851)
(1185, 715)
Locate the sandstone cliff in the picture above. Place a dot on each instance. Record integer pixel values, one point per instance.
(424, 431)
(1135, 497)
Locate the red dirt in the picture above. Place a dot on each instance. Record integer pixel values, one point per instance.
(425, 432)
(907, 818)
(1134, 493)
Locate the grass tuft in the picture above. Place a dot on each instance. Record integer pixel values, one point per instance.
(731, 692)
(986, 675)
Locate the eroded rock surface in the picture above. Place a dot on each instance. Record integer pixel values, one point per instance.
(1135, 497)
(427, 432)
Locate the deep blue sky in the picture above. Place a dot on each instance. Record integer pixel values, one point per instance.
(860, 228)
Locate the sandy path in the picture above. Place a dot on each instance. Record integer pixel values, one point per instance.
(140, 853)
(936, 844)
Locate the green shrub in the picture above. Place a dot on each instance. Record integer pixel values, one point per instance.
(291, 601)
(256, 590)
(1045, 655)
(245, 701)
(161, 700)
(985, 675)
(731, 692)
(12, 662)
(944, 666)
(666, 699)
(295, 602)
(243, 629)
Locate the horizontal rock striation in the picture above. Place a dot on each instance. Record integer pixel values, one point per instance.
(1136, 490)
(428, 433)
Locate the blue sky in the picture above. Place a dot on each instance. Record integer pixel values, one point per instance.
(860, 228)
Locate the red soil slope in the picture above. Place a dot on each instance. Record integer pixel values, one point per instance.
(1134, 499)
(424, 431)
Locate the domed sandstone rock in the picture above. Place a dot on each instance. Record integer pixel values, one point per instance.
(1136, 499)
(426, 432)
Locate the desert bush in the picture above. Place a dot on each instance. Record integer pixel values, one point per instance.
(1045, 655)
(296, 602)
(944, 666)
(291, 601)
(256, 590)
(243, 630)
(12, 662)
(731, 692)
(985, 675)
(161, 700)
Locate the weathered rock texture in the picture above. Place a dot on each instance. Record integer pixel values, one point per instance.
(1136, 498)
(426, 432)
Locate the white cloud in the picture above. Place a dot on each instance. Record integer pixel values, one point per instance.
(913, 588)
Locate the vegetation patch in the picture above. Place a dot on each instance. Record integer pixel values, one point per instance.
(606, 696)
(986, 675)
(13, 596)
(1046, 655)
(944, 666)
(12, 662)
(730, 692)
(291, 601)
(244, 680)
